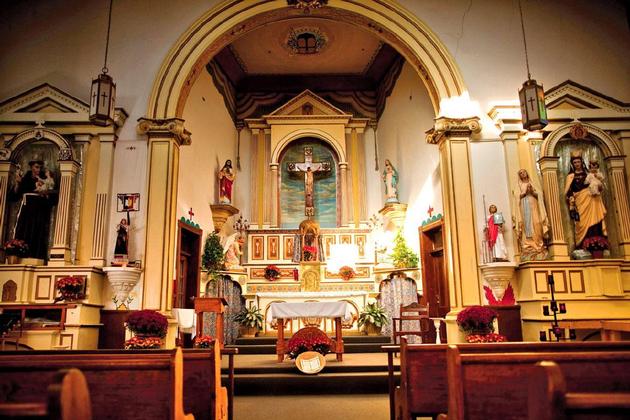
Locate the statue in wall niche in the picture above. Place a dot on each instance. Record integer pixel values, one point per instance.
(390, 178)
(121, 250)
(226, 179)
(531, 224)
(586, 206)
(36, 190)
(494, 235)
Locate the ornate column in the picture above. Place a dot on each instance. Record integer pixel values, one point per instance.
(6, 171)
(453, 137)
(549, 168)
(343, 181)
(356, 197)
(260, 178)
(165, 137)
(60, 251)
(620, 201)
(274, 194)
(107, 144)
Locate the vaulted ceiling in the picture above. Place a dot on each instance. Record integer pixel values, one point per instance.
(344, 64)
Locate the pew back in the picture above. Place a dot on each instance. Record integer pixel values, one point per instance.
(424, 385)
(134, 384)
(495, 385)
(203, 395)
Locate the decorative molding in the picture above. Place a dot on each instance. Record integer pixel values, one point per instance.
(21, 102)
(587, 97)
(173, 127)
(445, 127)
(608, 145)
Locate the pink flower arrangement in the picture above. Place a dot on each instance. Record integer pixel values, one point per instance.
(308, 339)
(70, 288)
(346, 272)
(595, 243)
(148, 323)
(16, 247)
(143, 343)
(203, 341)
(272, 272)
(476, 318)
(485, 338)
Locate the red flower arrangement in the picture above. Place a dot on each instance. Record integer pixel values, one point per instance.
(595, 243)
(70, 288)
(203, 341)
(272, 272)
(346, 272)
(476, 319)
(16, 247)
(486, 338)
(148, 323)
(308, 339)
(309, 253)
(143, 343)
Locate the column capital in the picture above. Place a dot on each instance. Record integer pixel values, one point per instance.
(446, 127)
(548, 163)
(171, 127)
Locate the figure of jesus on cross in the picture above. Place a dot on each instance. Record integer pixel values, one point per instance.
(309, 168)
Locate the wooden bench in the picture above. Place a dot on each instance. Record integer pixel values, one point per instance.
(67, 398)
(131, 384)
(423, 387)
(495, 385)
(549, 400)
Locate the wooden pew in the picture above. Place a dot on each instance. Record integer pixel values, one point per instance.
(495, 385)
(68, 399)
(131, 384)
(423, 387)
(204, 396)
(549, 400)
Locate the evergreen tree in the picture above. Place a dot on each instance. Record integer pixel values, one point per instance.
(213, 259)
(402, 255)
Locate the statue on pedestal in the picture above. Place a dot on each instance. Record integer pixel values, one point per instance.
(390, 178)
(226, 179)
(531, 223)
(494, 235)
(232, 249)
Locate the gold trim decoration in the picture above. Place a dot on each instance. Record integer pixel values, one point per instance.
(170, 126)
(445, 127)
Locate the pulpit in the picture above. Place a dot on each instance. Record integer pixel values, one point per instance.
(214, 305)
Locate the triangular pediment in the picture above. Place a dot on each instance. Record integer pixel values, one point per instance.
(307, 104)
(570, 95)
(44, 98)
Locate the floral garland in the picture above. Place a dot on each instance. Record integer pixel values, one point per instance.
(143, 343)
(308, 339)
(486, 338)
(272, 272)
(70, 288)
(16, 247)
(346, 272)
(203, 341)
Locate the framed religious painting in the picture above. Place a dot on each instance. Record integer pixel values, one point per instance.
(273, 247)
(288, 247)
(345, 239)
(258, 247)
(359, 241)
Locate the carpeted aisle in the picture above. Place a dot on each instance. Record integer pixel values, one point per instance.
(312, 407)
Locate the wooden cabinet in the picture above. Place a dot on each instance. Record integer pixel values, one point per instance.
(39, 317)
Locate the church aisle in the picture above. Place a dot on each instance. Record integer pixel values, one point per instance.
(312, 407)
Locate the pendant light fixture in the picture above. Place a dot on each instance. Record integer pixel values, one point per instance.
(531, 95)
(103, 94)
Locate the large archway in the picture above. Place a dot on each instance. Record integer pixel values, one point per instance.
(226, 22)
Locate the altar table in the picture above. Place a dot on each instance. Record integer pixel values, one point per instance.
(293, 310)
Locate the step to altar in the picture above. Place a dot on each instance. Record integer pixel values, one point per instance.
(357, 374)
(352, 344)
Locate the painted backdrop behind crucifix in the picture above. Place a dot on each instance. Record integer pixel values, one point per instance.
(308, 186)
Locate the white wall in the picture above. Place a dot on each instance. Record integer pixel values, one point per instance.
(401, 139)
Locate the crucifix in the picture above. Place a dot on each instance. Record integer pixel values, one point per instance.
(309, 168)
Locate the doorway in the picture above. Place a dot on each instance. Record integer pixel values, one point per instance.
(186, 286)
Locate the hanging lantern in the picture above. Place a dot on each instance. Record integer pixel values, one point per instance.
(102, 100)
(533, 111)
(103, 92)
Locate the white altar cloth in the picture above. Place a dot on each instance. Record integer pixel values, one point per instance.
(293, 310)
(310, 295)
(186, 320)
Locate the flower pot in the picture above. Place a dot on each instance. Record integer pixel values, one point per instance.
(372, 329)
(248, 332)
(597, 253)
(12, 259)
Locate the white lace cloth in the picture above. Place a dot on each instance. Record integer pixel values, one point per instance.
(293, 310)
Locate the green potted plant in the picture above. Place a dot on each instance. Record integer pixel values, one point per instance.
(372, 318)
(213, 258)
(251, 320)
(402, 255)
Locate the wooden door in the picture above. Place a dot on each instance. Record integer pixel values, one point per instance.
(435, 290)
(188, 269)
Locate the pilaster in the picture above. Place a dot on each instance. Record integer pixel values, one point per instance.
(343, 181)
(107, 145)
(6, 170)
(354, 156)
(558, 246)
(274, 194)
(165, 137)
(453, 138)
(620, 201)
(60, 253)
